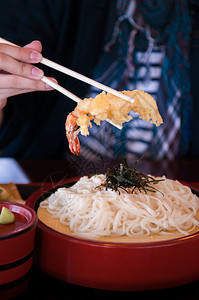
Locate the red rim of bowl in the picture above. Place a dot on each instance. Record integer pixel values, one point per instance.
(33, 200)
(29, 213)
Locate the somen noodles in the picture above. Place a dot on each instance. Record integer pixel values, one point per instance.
(91, 212)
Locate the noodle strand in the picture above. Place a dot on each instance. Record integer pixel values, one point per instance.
(90, 212)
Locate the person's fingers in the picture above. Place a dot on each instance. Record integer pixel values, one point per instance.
(35, 45)
(13, 66)
(27, 88)
(6, 93)
(17, 75)
(3, 103)
(10, 81)
(26, 54)
(9, 93)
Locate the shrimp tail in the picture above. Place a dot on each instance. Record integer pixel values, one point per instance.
(71, 126)
(74, 144)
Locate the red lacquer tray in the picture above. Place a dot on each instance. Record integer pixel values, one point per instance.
(114, 266)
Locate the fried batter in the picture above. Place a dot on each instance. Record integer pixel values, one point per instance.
(107, 106)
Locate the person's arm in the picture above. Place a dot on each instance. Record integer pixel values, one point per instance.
(17, 74)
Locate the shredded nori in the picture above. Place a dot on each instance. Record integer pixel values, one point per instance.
(130, 180)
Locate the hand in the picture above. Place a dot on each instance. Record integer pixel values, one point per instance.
(17, 74)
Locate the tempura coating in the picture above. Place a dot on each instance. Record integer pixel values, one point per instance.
(107, 106)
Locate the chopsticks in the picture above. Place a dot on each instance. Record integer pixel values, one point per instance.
(71, 96)
(85, 79)
(48, 81)
(76, 75)
(60, 89)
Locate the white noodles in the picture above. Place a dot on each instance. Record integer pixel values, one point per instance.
(96, 212)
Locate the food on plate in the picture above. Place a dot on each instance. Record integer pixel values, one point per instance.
(4, 195)
(117, 205)
(9, 192)
(106, 106)
(6, 216)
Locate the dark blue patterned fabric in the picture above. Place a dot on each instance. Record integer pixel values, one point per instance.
(174, 96)
(142, 26)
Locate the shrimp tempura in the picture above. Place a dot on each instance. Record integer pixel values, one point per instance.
(107, 106)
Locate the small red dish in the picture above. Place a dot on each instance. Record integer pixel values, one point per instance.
(114, 266)
(16, 245)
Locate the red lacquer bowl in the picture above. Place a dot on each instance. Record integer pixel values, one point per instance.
(114, 266)
(16, 247)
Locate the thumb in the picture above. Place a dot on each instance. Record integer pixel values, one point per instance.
(35, 45)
